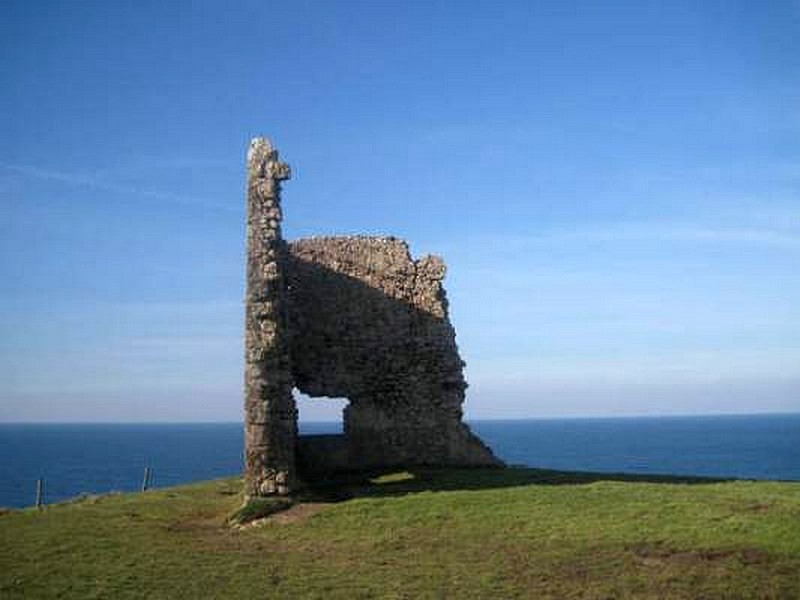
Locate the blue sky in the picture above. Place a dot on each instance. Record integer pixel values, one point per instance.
(615, 188)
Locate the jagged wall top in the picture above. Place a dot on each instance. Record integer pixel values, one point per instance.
(263, 162)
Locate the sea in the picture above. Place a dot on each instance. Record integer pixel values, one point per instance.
(77, 459)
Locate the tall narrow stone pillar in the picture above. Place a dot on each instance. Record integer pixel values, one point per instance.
(270, 411)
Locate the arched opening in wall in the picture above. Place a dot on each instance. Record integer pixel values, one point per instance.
(319, 415)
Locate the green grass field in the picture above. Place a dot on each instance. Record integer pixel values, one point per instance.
(428, 534)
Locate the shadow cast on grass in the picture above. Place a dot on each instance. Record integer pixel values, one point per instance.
(333, 487)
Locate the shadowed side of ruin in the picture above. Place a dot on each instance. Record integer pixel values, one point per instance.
(369, 323)
(353, 317)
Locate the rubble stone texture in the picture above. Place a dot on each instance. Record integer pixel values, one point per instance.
(353, 317)
(270, 428)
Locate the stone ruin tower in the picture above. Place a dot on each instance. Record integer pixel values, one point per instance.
(353, 317)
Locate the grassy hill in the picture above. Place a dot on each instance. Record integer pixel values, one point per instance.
(432, 533)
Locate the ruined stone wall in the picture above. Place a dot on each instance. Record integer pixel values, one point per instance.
(369, 323)
(270, 428)
(352, 317)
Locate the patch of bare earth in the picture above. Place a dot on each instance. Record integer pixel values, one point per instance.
(295, 514)
(655, 555)
(298, 512)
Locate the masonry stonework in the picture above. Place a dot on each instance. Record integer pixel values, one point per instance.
(353, 317)
(270, 428)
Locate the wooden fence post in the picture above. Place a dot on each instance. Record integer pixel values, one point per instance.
(146, 479)
(39, 493)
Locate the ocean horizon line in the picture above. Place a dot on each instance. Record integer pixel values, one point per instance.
(467, 419)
